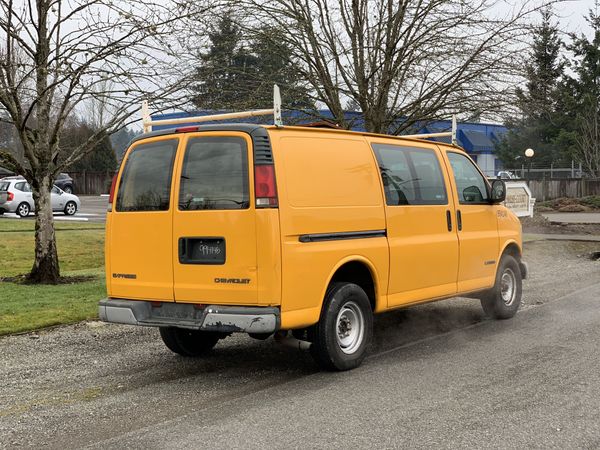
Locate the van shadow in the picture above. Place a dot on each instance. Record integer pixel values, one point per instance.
(242, 356)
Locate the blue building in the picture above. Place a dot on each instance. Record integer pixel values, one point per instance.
(478, 139)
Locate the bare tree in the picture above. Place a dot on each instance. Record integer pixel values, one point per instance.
(56, 56)
(587, 140)
(403, 61)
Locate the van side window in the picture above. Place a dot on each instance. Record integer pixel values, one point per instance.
(470, 184)
(411, 176)
(146, 181)
(215, 174)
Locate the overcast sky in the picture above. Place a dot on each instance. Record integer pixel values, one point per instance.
(572, 15)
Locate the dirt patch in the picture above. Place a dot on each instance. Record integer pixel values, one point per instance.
(22, 279)
(567, 204)
(539, 224)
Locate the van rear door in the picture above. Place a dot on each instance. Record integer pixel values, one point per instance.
(214, 223)
(140, 228)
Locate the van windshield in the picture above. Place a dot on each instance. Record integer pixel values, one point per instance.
(146, 181)
(215, 174)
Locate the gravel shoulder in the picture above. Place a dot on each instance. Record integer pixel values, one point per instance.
(75, 385)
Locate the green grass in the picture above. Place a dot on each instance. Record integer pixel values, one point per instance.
(29, 307)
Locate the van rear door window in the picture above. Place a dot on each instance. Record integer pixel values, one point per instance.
(214, 174)
(146, 181)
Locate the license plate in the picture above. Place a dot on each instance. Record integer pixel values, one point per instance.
(202, 250)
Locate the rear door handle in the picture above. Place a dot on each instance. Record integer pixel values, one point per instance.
(458, 220)
(449, 220)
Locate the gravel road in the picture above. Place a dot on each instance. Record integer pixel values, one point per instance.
(80, 385)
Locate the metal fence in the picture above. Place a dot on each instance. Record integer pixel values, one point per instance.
(540, 172)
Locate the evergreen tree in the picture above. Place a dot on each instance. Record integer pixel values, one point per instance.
(539, 123)
(120, 140)
(223, 70)
(581, 98)
(238, 72)
(102, 158)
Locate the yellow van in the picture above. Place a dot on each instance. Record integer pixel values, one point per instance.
(302, 233)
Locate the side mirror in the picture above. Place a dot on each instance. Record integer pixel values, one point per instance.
(498, 194)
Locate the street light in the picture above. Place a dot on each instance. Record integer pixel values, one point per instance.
(529, 154)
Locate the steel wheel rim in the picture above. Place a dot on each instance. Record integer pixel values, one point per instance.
(23, 210)
(71, 209)
(508, 287)
(349, 328)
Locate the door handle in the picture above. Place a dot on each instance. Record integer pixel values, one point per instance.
(458, 220)
(449, 220)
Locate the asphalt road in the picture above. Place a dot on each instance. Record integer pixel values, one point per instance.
(439, 375)
(93, 208)
(531, 382)
(582, 217)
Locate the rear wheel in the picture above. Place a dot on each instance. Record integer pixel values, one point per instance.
(70, 208)
(504, 299)
(23, 209)
(188, 342)
(343, 333)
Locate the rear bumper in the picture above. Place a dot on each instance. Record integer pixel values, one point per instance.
(226, 319)
(8, 207)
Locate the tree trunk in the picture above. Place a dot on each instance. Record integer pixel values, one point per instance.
(45, 268)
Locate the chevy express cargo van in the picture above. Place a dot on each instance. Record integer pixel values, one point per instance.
(216, 229)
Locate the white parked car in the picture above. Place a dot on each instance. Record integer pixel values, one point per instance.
(16, 197)
(506, 175)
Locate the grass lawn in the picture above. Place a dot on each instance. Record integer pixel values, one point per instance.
(28, 307)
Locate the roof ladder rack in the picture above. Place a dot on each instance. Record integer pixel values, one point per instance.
(452, 134)
(148, 123)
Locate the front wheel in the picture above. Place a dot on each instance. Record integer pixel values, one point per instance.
(504, 299)
(70, 208)
(188, 342)
(23, 209)
(341, 337)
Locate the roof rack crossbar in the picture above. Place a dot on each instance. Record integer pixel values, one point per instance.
(451, 134)
(147, 121)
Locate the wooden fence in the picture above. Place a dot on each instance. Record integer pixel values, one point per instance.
(91, 183)
(549, 189)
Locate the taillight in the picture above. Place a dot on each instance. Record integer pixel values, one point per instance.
(111, 194)
(265, 188)
(11, 196)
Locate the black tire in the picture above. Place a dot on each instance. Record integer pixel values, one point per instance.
(23, 209)
(70, 209)
(68, 189)
(188, 342)
(345, 304)
(504, 299)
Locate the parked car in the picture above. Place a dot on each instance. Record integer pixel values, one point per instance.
(16, 197)
(65, 182)
(265, 230)
(506, 175)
